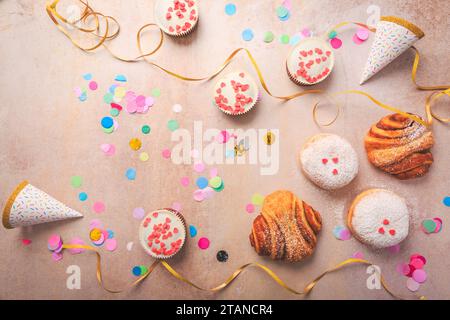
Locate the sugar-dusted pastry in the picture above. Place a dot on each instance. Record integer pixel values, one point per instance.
(162, 233)
(400, 146)
(176, 17)
(236, 93)
(379, 218)
(329, 161)
(286, 229)
(310, 62)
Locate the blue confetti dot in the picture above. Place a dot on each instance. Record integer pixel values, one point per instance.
(121, 78)
(130, 173)
(247, 34)
(110, 234)
(107, 122)
(112, 88)
(202, 182)
(83, 196)
(83, 97)
(87, 76)
(446, 201)
(192, 231)
(294, 40)
(136, 271)
(230, 9)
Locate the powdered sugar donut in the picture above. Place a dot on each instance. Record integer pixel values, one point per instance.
(379, 218)
(176, 17)
(329, 161)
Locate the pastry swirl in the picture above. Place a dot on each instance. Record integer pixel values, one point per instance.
(400, 146)
(286, 229)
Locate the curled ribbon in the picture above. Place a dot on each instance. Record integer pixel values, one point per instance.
(53, 13)
(307, 289)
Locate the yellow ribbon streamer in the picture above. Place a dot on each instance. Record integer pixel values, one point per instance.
(88, 12)
(308, 288)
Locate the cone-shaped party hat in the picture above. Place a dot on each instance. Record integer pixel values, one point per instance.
(28, 205)
(393, 37)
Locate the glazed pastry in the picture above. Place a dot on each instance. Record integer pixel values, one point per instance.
(379, 218)
(329, 161)
(236, 93)
(400, 146)
(286, 229)
(310, 62)
(176, 17)
(162, 233)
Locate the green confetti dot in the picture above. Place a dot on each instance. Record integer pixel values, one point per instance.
(156, 92)
(173, 125)
(108, 98)
(429, 225)
(268, 37)
(146, 129)
(282, 12)
(76, 181)
(215, 182)
(284, 39)
(332, 34)
(257, 199)
(114, 112)
(110, 130)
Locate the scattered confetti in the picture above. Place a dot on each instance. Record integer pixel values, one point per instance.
(283, 13)
(199, 167)
(250, 208)
(87, 76)
(76, 181)
(356, 40)
(156, 92)
(108, 149)
(93, 85)
(431, 225)
(177, 108)
(336, 43)
(76, 241)
(82, 196)
(341, 233)
(257, 199)
(230, 9)
(222, 256)
(107, 122)
(143, 156)
(269, 138)
(306, 33)
(295, 39)
(203, 243)
(172, 125)
(139, 270)
(268, 37)
(146, 129)
(98, 207)
(215, 182)
(446, 201)
(184, 181)
(138, 213)
(332, 34)
(414, 271)
(199, 195)
(247, 35)
(135, 144)
(192, 231)
(26, 242)
(284, 39)
(362, 34)
(130, 173)
(121, 78)
(358, 255)
(412, 285)
(202, 182)
(166, 153)
(111, 244)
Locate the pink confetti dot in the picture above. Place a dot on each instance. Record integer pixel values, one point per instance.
(76, 241)
(176, 206)
(138, 213)
(362, 34)
(199, 195)
(26, 242)
(111, 244)
(417, 263)
(358, 255)
(199, 167)
(357, 40)
(208, 192)
(306, 32)
(56, 256)
(185, 181)
(412, 285)
(93, 85)
(345, 234)
(203, 243)
(336, 43)
(166, 153)
(250, 208)
(419, 276)
(99, 207)
(213, 172)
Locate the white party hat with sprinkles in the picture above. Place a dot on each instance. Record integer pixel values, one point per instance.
(28, 205)
(393, 37)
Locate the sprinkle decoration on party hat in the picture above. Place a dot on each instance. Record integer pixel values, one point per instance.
(28, 205)
(393, 37)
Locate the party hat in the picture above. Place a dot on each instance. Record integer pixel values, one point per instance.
(393, 37)
(28, 205)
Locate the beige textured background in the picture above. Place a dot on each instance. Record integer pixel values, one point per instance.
(47, 135)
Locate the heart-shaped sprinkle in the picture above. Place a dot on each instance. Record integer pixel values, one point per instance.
(392, 232)
(241, 74)
(335, 160)
(385, 222)
(335, 171)
(324, 161)
(381, 230)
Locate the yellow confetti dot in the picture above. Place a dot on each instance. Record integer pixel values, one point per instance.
(135, 144)
(119, 92)
(95, 234)
(269, 138)
(143, 156)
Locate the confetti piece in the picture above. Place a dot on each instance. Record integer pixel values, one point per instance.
(306, 33)
(213, 172)
(57, 256)
(184, 181)
(358, 255)
(222, 256)
(166, 153)
(172, 125)
(135, 144)
(203, 243)
(345, 234)
(93, 85)
(208, 192)
(284, 39)
(107, 122)
(215, 182)
(202, 182)
(250, 208)
(99, 207)
(362, 34)
(446, 201)
(138, 213)
(82, 196)
(247, 35)
(156, 92)
(199, 167)
(26, 242)
(419, 276)
(417, 263)
(332, 34)
(114, 112)
(121, 78)
(108, 98)
(192, 231)
(199, 196)
(130, 173)
(177, 108)
(176, 206)
(357, 40)
(230, 9)
(76, 181)
(412, 285)
(130, 246)
(111, 244)
(295, 39)
(268, 37)
(336, 43)
(87, 76)
(143, 156)
(257, 199)
(146, 129)
(136, 271)
(282, 12)
(76, 241)
(428, 226)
